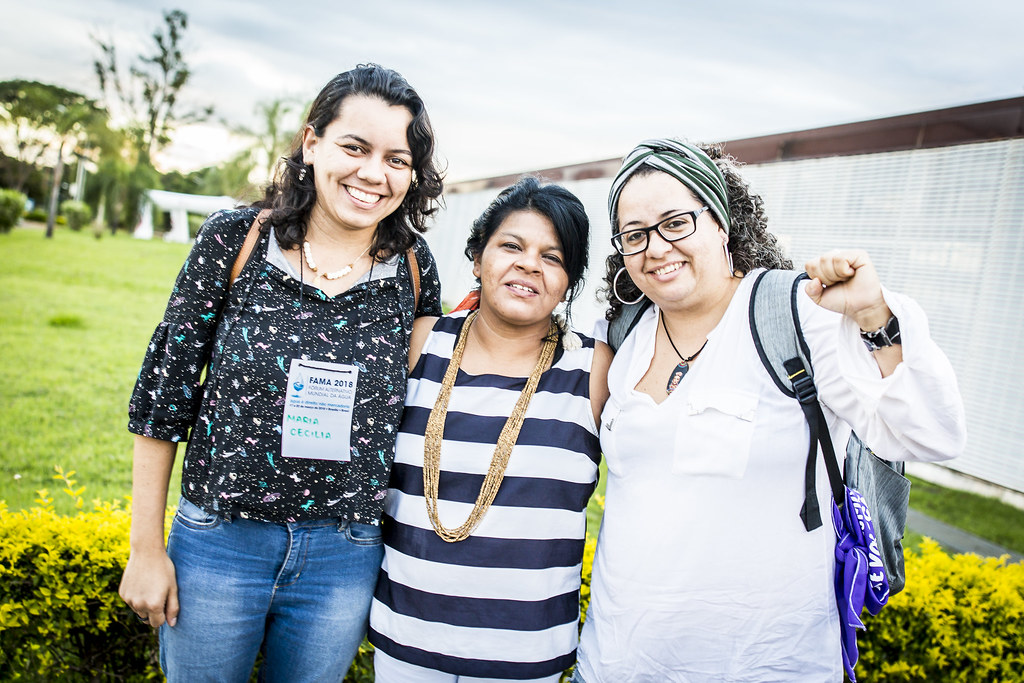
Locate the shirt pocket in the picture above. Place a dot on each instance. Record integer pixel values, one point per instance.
(715, 433)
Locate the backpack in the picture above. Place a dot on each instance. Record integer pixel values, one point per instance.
(780, 343)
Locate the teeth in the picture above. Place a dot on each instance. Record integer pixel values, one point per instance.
(668, 269)
(363, 196)
(522, 288)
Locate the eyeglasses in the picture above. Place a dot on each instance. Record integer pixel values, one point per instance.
(672, 229)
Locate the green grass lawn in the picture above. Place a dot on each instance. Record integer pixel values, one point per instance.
(76, 314)
(981, 516)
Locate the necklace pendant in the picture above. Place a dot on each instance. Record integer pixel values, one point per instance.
(677, 376)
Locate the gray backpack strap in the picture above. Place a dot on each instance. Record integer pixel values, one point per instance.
(780, 343)
(620, 327)
(775, 326)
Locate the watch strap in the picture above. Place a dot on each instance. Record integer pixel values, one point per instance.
(887, 335)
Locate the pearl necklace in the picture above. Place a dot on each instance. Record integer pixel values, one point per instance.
(340, 273)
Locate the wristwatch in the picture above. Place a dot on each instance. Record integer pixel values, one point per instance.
(886, 335)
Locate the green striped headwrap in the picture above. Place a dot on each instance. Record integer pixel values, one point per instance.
(686, 163)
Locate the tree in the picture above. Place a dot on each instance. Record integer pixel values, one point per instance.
(147, 97)
(34, 111)
(275, 133)
(229, 178)
(71, 126)
(47, 118)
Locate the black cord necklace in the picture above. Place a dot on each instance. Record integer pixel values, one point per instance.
(684, 363)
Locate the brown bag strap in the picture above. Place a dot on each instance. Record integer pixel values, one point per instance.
(414, 269)
(245, 253)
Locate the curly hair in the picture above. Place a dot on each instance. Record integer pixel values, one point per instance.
(558, 205)
(750, 243)
(291, 197)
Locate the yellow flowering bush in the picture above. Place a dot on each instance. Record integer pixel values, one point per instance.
(60, 615)
(960, 618)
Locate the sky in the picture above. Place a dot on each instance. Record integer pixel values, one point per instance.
(531, 84)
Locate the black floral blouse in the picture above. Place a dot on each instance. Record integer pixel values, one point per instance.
(233, 462)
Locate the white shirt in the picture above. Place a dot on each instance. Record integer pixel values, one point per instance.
(704, 571)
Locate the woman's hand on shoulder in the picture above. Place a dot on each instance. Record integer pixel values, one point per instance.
(599, 378)
(845, 281)
(421, 328)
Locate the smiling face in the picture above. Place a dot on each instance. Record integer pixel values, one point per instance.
(362, 164)
(521, 271)
(674, 275)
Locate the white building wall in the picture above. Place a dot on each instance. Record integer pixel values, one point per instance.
(945, 226)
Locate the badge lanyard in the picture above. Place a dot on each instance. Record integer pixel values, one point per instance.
(319, 399)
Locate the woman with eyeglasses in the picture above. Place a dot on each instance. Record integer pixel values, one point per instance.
(704, 570)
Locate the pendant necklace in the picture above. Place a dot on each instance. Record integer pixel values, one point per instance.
(308, 255)
(684, 363)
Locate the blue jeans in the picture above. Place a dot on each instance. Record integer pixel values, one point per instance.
(299, 592)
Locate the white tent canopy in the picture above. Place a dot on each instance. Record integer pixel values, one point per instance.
(179, 205)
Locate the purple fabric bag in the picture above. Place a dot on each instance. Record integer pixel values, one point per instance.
(860, 575)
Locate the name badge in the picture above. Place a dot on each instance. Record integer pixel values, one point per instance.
(318, 410)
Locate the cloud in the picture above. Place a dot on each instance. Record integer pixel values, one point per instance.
(516, 86)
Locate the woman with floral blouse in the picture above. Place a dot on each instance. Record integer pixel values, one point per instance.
(287, 383)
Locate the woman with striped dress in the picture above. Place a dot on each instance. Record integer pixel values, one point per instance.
(497, 456)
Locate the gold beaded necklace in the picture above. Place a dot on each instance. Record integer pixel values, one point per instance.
(502, 451)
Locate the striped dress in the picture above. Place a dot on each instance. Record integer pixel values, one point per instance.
(504, 603)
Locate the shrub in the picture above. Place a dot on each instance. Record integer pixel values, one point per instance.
(60, 615)
(960, 618)
(12, 205)
(37, 214)
(78, 214)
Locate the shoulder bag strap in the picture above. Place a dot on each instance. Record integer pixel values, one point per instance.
(245, 253)
(414, 273)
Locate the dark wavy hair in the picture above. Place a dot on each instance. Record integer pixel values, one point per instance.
(558, 205)
(291, 200)
(750, 243)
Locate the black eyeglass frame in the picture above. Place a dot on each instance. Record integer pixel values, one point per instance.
(619, 245)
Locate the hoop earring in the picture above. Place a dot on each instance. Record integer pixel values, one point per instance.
(728, 259)
(615, 289)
